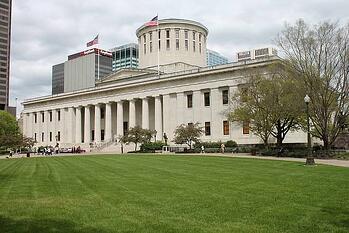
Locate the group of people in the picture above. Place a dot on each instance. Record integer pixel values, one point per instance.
(76, 150)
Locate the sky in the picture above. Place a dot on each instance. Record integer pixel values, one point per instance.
(44, 33)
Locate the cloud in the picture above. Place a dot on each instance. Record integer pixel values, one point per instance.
(44, 33)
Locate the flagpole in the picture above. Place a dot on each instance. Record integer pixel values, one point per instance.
(159, 41)
(98, 57)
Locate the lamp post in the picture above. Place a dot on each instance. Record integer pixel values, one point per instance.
(310, 158)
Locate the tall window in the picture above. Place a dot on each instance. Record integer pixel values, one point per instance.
(225, 96)
(42, 117)
(59, 115)
(50, 136)
(200, 49)
(102, 113)
(58, 136)
(159, 44)
(186, 34)
(145, 48)
(159, 34)
(225, 128)
(189, 100)
(194, 46)
(167, 33)
(207, 99)
(42, 137)
(50, 116)
(34, 137)
(144, 39)
(35, 118)
(246, 127)
(150, 36)
(177, 39)
(167, 44)
(186, 44)
(207, 128)
(150, 46)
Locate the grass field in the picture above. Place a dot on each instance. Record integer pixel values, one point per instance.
(170, 194)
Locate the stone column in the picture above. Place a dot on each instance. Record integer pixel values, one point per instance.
(166, 116)
(108, 122)
(69, 121)
(97, 123)
(180, 106)
(87, 125)
(54, 125)
(46, 131)
(158, 118)
(78, 125)
(30, 123)
(120, 119)
(132, 114)
(198, 101)
(145, 113)
(25, 124)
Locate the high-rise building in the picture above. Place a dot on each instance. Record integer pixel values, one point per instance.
(125, 56)
(5, 39)
(256, 54)
(214, 58)
(81, 70)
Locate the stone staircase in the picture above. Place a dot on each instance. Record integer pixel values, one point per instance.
(112, 146)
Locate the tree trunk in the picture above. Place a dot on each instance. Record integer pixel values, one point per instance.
(135, 146)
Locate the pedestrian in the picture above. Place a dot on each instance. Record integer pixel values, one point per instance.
(202, 149)
(222, 148)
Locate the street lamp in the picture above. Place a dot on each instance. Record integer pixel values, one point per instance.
(310, 158)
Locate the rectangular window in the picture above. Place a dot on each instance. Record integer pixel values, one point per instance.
(199, 37)
(159, 45)
(93, 135)
(168, 33)
(42, 117)
(150, 46)
(150, 36)
(186, 34)
(144, 39)
(186, 44)
(167, 44)
(125, 125)
(207, 99)
(200, 47)
(207, 128)
(193, 35)
(58, 136)
(145, 48)
(102, 134)
(177, 44)
(42, 137)
(189, 100)
(225, 128)
(50, 116)
(59, 115)
(225, 96)
(35, 118)
(50, 136)
(35, 137)
(159, 34)
(246, 127)
(194, 47)
(102, 113)
(177, 33)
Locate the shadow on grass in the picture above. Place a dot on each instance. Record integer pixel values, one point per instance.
(26, 225)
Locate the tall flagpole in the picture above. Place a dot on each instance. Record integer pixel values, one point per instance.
(98, 57)
(159, 41)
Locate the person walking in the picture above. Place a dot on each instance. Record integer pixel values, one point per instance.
(222, 148)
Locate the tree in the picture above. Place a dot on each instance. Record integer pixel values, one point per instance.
(27, 142)
(187, 134)
(137, 135)
(319, 54)
(10, 135)
(267, 103)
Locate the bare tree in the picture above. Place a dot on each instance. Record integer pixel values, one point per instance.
(319, 54)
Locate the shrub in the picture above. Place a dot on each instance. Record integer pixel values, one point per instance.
(152, 146)
(231, 143)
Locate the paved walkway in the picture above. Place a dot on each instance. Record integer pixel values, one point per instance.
(333, 162)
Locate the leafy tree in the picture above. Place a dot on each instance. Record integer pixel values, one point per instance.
(270, 103)
(137, 135)
(187, 134)
(10, 135)
(27, 142)
(319, 54)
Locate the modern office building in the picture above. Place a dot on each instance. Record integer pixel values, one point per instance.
(5, 42)
(125, 56)
(143, 97)
(213, 58)
(81, 70)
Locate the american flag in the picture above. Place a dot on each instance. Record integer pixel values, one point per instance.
(93, 42)
(153, 22)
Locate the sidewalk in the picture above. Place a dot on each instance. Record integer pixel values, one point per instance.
(333, 162)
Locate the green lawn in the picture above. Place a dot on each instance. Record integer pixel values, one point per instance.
(170, 194)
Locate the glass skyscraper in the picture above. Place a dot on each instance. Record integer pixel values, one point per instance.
(125, 56)
(214, 58)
